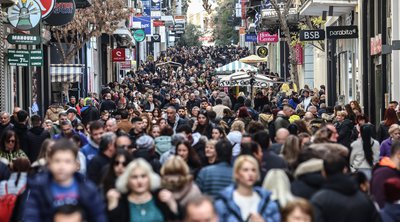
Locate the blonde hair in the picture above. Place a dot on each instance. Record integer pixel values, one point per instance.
(140, 163)
(341, 113)
(175, 165)
(239, 163)
(393, 128)
(211, 142)
(238, 125)
(278, 183)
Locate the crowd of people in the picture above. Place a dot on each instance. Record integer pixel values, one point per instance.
(167, 144)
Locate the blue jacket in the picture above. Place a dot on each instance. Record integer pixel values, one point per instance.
(228, 210)
(39, 206)
(213, 179)
(391, 212)
(84, 141)
(90, 150)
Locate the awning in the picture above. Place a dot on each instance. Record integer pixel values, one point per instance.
(66, 72)
(235, 66)
(316, 7)
(253, 59)
(243, 79)
(123, 31)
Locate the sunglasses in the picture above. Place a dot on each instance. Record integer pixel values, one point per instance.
(80, 129)
(10, 141)
(123, 163)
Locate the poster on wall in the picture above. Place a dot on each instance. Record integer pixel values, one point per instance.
(146, 7)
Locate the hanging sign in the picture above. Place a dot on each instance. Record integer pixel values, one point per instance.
(118, 55)
(46, 6)
(24, 39)
(36, 57)
(25, 15)
(25, 58)
(312, 35)
(342, 32)
(264, 37)
(139, 35)
(155, 38)
(262, 51)
(250, 37)
(62, 14)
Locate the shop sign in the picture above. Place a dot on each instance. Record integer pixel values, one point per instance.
(180, 32)
(342, 32)
(118, 55)
(158, 23)
(24, 39)
(155, 5)
(36, 57)
(376, 45)
(145, 23)
(62, 14)
(18, 57)
(46, 6)
(155, 14)
(179, 26)
(265, 37)
(155, 38)
(262, 51)
(299, 54)
(146, 7)
(25, 15)
(250, 37)
(312, 35)
(125, 65)
(139, 35)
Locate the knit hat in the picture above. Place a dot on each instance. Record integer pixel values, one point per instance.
(145, 142)
(392, 189)
(163, 144)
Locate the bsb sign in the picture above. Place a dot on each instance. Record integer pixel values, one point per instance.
(312, 35)
(342, 32)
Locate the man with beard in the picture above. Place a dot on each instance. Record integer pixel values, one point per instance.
(173, 119)
(182, 113)
(67, 132)
(137, 129)
(91, 149)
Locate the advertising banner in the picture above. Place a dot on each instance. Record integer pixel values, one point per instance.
(265, 37)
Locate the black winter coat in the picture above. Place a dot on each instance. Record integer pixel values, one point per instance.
(345, 130)
(307, 185)
(35, 137)
(89, 114)
(340, 201)
(22, 133)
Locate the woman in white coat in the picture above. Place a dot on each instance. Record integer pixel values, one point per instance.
(365, 151)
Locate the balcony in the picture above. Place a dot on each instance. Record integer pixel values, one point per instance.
(316, 7)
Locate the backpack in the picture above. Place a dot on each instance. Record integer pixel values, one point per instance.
(7, 203)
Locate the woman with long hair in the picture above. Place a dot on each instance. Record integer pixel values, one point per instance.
(134, 198)
(218, 133)
(147, 124)
(189, 155)
(244, 116)
(203, 124)
(176, 178)
(390, 118)
(156, 115)
(364, 152)
(10, 147)
(243, 201)
(291, 150)
(278, 183)
(355, 106)
(115, 169)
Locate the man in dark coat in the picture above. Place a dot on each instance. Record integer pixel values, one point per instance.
(107, 104)
(340, 200)
(35, 136)
(344, 127)
(21, 129)
(89, 112)
(5, 122)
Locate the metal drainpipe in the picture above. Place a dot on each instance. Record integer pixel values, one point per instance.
(2, 71)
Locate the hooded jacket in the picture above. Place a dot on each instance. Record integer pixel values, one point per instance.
(308, 178)
(340, 201)
(385, 147)
(35, 138)
(90, 150)
(228, 210)
(226, 101)
(384, 170)
(39, 205)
